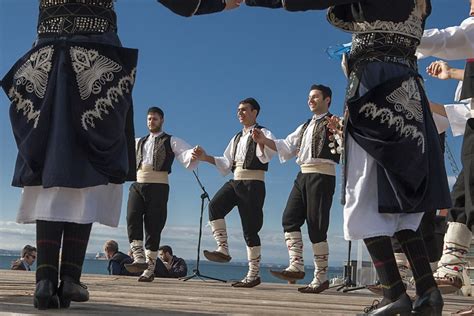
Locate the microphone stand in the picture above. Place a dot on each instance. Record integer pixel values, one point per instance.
(196, 272)
(348, 285)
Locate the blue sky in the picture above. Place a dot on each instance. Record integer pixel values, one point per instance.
(197, 70)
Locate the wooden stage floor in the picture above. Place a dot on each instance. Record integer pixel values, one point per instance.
(111, 295)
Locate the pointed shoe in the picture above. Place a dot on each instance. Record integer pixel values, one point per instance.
(216, 256)
(246, 283)
(314, 289)
(136, 267)
(430, 303)
(288, 275)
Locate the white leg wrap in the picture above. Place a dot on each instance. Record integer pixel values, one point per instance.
(456, 245)
(151, 257)
(294, 242)
(320, 258)
(137, 251)
(253, 256)
(220, 235)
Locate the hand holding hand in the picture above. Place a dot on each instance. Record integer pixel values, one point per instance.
(258, 136)
(334, 125)
(439, 69)
(198, 153)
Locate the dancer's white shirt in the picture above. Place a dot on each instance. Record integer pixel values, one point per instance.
(288, 148)
(224, 163)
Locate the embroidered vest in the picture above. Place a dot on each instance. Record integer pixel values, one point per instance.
(320, 140)
(163, 155)
(61, 17)
(251, 161)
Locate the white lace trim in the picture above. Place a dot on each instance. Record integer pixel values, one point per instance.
(387, 116)
(92, 70)
(407, 100)
(103, 105)
(34, 73)
(24, 105)
(410, 27)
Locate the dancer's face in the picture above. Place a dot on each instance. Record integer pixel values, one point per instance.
(246, 115)
(471, 12)
(317, 103)
(154, 122)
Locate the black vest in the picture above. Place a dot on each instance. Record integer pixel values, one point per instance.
(320, 140)
(163, 155)
(467, 90)
(251, 161)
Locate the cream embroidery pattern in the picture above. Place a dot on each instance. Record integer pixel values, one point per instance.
(387, 116)
(24, 105)
(411, 27)
(407, 100)
(92, 70)
(34, 73)
(104, 105)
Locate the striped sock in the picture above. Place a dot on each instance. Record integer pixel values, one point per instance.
(380, 249)
(48, 243)
(414, 248)
(76, 238)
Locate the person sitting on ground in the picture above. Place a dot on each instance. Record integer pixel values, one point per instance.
(169, 266)
(117, 259)
(28, 257)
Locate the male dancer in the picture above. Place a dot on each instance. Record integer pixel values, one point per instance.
(456, 43)
(316, 149)
(248, 162)
(148, 197)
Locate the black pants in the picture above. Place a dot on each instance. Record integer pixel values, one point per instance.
(147, 206)
(463, 190)
(248, 196)
(310, 200)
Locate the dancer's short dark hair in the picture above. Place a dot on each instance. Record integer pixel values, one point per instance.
(253, 103)
(326, 91)
(155, 109)
(167, 249)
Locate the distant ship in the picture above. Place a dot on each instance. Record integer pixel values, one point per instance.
(100, 256)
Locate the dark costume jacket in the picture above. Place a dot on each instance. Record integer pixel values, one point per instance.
(391, 120)
(71, 96)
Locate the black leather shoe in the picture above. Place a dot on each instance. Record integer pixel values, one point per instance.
(45, 295)
(430, 303)
(402, 307)
(70, 290)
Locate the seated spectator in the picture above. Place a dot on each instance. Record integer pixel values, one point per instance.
(169, 266)
(117, 259)
(28, 257)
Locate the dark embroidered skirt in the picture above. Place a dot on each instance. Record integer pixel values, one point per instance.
(390, 119)
(71, 112)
